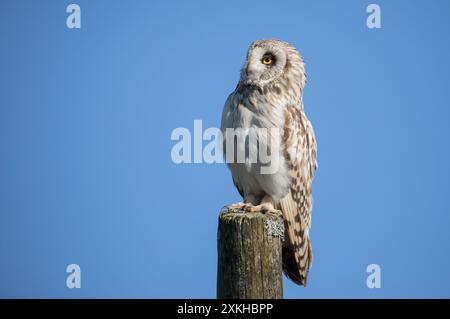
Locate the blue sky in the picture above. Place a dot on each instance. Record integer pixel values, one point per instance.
(86, 116)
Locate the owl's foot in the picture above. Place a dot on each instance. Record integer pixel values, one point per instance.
(249, 208)
(263, 208)
(249, 201)
(234, 208)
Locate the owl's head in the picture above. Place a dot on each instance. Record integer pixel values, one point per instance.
(272, 61)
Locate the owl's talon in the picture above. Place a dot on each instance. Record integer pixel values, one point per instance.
(234, 208)
(263, 209)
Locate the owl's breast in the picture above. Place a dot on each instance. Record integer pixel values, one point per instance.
(252, 130)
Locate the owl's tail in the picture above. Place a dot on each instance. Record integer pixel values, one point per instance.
(297, 251)
(295, 264)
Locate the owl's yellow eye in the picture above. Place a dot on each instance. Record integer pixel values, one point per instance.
(267, 59)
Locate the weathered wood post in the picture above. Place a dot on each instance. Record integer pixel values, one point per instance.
(249, 255)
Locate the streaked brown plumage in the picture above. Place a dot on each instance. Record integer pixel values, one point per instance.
(299, 145)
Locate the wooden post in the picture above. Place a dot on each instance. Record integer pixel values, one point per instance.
(249, 256)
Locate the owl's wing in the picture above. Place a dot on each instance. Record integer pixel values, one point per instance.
(300, 149)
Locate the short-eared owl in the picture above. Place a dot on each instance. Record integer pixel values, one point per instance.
(269, 95)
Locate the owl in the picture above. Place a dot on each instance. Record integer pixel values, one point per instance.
(269, 96)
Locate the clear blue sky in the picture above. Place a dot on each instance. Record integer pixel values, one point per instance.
(86, 115)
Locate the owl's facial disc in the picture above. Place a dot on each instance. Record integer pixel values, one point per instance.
(264, 64)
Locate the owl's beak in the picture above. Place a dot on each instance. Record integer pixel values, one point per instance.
(251, 73)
